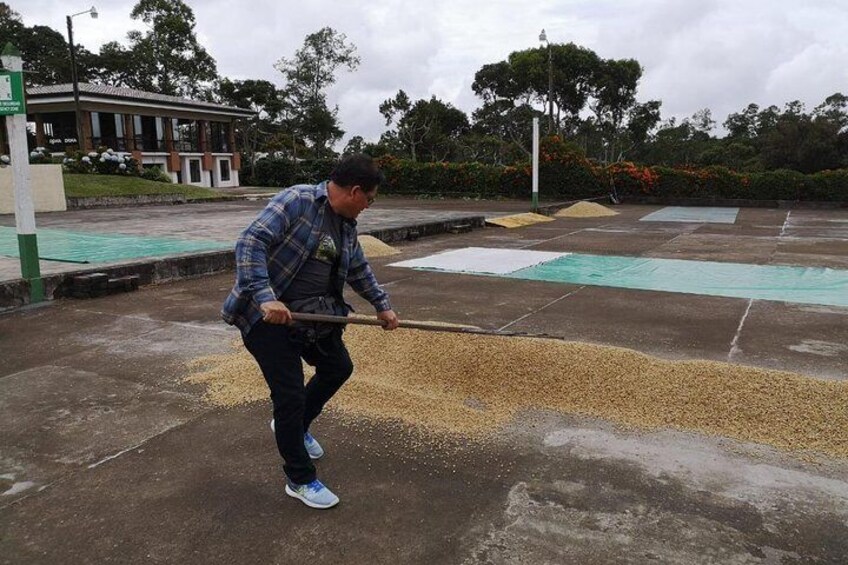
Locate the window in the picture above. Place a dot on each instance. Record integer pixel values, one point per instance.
(186, 136)
(60, 131)
(219, 137)
(107, 130)
(149, 133)
(194, 170)
(225, 170)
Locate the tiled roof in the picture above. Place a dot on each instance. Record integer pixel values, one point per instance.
(105, 91)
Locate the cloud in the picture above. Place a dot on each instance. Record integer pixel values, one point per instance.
(720, 54)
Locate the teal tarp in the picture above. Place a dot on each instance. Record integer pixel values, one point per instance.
(694, 214)
(806, 285)
(85, 247)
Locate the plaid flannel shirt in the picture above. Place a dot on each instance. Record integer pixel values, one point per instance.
(274, 247)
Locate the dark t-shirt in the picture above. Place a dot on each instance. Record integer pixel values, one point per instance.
(313, 278)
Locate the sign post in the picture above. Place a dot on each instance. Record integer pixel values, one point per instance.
(12, 106)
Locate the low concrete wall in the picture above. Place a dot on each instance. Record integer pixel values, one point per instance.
(87, 202)
(47, 185)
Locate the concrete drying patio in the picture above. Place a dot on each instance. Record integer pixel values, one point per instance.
(107, 455)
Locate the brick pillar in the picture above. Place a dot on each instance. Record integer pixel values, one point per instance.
(173, 162)
(85, 143)
(129, 132)
(201, 133)
(40, 139)
(206, 162)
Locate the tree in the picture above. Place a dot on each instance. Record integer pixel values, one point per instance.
(167, 58)
(743, 125)
(308, 75)
(355, 144)
(503, 120)
(45, 54)
(613, 97)
(261, 96)
(427, 129)
(834, 109)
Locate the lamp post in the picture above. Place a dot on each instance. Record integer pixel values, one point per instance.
(544, 39)
(77, 113)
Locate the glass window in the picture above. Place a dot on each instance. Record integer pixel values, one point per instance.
(60, 131)
(218, 137)
(186, 136)
(119, 125)
(225, 170)
(107, 130)
(194, 170)
(95, 124)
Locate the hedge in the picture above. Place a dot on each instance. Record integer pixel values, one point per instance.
(283, 172)
(566, 174)
(721, 183)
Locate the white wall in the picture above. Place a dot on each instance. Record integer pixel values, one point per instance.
(46, 183)
(216, 172)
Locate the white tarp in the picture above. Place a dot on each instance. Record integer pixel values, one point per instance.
(481, 260)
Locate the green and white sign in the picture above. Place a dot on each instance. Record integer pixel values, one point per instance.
(11, 93)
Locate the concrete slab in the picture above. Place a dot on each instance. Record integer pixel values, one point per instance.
(57, 419)
(98, 381)
(706, 247)
(816, 336)
(659, 323)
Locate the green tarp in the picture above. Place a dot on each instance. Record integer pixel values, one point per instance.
(86, 247)
(806, 285)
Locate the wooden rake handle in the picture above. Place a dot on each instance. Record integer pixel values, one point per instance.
(431, 327)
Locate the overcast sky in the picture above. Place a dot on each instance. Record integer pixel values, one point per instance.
(717, 54)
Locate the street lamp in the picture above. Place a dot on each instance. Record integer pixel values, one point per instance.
(544, 39)
(77, 113)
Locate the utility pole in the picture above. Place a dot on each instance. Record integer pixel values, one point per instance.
(75, 81)
(74, 77)
(12, 106)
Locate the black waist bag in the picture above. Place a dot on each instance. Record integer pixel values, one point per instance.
(325, 305)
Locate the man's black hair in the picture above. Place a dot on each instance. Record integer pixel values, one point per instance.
(357, 169)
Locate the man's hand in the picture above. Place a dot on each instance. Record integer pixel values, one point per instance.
(389, 318)
(275, 312)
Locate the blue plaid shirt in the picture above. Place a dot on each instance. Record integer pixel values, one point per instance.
(274, 247)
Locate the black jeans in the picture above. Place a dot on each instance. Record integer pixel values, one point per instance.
(278, 349)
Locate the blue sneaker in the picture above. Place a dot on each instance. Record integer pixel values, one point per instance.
(313, 448)
(314, 494)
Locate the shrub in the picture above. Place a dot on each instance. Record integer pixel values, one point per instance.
(716, 182)
(155, 174)
(40, 156)
(104, 161)
(777, 185)
(284, 172)
(564, 173)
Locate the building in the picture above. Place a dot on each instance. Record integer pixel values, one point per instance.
(192, 141)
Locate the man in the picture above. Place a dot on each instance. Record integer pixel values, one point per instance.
(296, 256)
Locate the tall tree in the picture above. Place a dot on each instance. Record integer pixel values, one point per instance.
(426, 129)
(167, 58)
(44, 50)
(266, 100)
(614, 96)
(308, 75)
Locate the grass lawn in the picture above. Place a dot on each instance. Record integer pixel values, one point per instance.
(113, 185)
